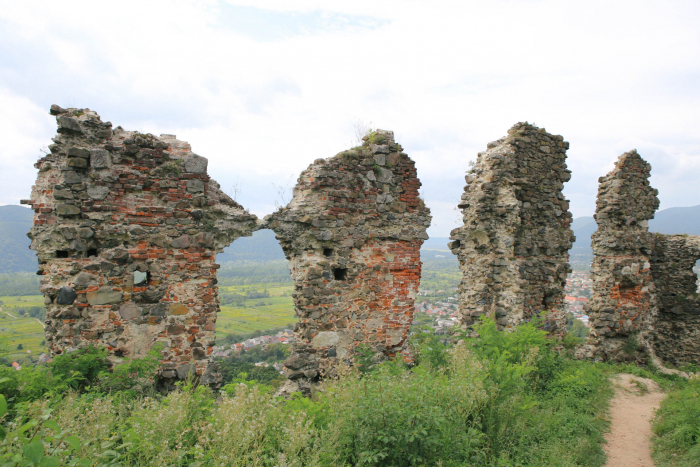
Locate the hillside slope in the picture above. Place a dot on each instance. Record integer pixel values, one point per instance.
(15, 255)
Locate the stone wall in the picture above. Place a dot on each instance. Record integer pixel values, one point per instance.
(513, 245)
(126, 230)
(676, 327)
(622, 301)
(352, 234)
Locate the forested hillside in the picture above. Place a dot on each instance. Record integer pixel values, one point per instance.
(15, 255)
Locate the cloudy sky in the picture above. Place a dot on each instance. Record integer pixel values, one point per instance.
(262, 88)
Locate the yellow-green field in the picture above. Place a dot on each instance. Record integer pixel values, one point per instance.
(16, 329)
(277, 311)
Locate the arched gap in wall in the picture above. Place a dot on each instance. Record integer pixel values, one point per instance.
(440, 277)
(255, 295)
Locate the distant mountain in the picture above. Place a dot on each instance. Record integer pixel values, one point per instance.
(15, 255)
(262, 246)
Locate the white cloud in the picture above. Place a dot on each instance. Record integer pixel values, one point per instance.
(24, 127)
(263, 88)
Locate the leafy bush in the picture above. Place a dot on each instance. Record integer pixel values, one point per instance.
(505, 399)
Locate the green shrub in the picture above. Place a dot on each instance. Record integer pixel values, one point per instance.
(505, 399)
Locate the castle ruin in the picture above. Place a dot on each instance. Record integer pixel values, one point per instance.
(645, 303)
(127, 227)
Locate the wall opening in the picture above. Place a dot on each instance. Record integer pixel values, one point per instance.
(141, 278)
(340, 274)
(328, 252)
(61, 254)
(92, 252)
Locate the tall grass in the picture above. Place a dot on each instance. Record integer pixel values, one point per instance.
(677, 428)
(503, 400)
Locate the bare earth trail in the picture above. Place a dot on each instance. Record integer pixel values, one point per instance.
(632, 409)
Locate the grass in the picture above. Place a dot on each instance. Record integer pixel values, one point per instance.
(257, 314)
(16, 329)
(507, 400)
(676, 428)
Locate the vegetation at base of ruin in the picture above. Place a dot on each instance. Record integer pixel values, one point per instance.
(676, 428)
(505, 400)
(631, 344)
(241, 368)
(576, 330)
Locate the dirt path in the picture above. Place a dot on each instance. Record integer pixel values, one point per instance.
(631, 411)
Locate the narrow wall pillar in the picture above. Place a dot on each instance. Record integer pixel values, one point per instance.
(622, 305)
(513, 245)
(352, 233)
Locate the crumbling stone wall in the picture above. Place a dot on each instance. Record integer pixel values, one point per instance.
(126, 230)
(676, 326)
(622, 301)
(513, 245)
(352, 234)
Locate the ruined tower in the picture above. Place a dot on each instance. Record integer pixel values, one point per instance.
(126, 230)
(623, 291)
(513, 245)
(352, 233)
(676, 327)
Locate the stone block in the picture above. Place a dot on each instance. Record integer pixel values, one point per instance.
(67, 210)
(130, 310)
(66, 296)
(195, 164)
(104, 296)
(100, 159)
(69, 124)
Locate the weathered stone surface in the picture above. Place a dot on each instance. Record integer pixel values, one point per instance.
(78, 152)
(97, 192)
(353, 244)
(513, 245)
(100, 159)
(675, 333)
(182, 241)
(195, 164)
(69, 124)
(130, 310)
(67, 210)
(123, 221)
(104, 296)
(66, 296)
(178, 309)
(623, 289)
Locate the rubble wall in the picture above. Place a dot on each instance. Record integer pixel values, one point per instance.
(352, 233)
(126, 230)
(676, 327)
(622, 302)
(513, 245)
